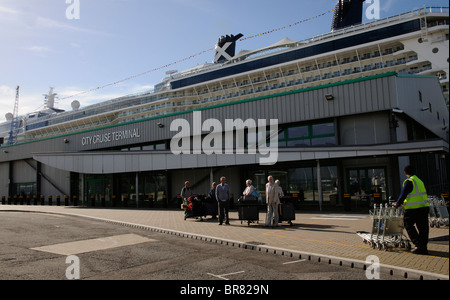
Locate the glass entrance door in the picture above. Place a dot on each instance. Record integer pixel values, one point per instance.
(98, 188)
(364, 183)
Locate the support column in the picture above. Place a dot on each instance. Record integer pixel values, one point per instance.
(319, 185)
(38, 179)
(82, 189)
(137, 190)
(11, 180)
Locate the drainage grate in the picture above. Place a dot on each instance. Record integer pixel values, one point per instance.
(255, 243)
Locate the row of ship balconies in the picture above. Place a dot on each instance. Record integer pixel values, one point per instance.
(298, 75)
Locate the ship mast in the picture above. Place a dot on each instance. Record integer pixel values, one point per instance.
(15, 121)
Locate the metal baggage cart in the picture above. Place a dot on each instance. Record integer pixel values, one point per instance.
(438, 212)
(195, 208)
(387, 229)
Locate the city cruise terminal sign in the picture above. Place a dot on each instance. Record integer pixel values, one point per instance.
(109, 137)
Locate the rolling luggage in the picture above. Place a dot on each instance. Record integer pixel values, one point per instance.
(248, 209)
(286, 210)
(211, 207)
(195, 208)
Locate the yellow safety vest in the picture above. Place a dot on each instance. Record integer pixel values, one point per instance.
(418, 197)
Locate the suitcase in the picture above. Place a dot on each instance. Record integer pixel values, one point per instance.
(287, 212)
(249, 213)
(211, 208)
(195, 208)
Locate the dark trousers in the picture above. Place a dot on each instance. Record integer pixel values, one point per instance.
(417, 218)
(224, 207)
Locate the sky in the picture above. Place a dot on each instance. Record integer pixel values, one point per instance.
(126, 46)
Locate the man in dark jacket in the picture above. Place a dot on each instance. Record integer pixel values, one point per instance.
(223, 199)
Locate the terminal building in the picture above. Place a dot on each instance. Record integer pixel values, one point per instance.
(352, 109)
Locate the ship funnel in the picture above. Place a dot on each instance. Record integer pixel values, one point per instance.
(347, 13)
(226, 48)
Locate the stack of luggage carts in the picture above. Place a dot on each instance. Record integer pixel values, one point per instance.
(387, 229)
(248, 209)
(200, 206)
(438, 212)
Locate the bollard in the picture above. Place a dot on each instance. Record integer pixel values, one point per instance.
(66, 200)
(15, 199)
(3, 200)
(295, 199)
(58, 200)
(165, 203)
(376, 199)
(9, 200)
(347, 202)
(21, 200)
(42, 200)
(75, 200)
(150, 201)
(50, 200)
(179, 201)
(28, 200)
(35, 201)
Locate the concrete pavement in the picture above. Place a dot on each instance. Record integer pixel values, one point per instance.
(323, 237)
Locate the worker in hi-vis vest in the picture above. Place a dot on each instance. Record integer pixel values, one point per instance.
(414, 198)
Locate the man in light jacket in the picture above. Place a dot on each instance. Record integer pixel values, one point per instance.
(272, 201)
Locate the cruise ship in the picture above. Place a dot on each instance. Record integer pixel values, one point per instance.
(415, 42)
(351, 108)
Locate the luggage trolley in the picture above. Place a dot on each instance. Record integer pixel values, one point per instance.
(387, 229)
(195, 208)
(248, 209)
(438, 212)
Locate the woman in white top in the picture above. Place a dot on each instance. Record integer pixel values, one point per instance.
(249, 189)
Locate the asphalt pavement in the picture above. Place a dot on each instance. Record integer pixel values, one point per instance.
(323, 237)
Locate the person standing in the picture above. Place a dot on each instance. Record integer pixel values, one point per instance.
(213, 201)
(415, 200)
(272, 201)
(186, 192)
(223, 199)
(249, 190)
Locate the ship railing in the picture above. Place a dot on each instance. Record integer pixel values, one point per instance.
(389, 20)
